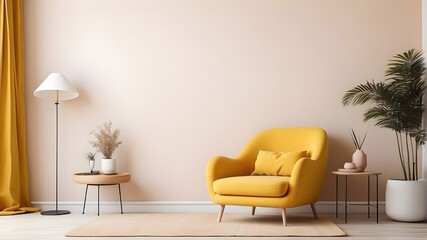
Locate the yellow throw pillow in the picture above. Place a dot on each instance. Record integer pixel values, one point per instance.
(276, 163)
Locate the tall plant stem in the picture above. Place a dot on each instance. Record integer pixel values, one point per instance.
(416, 161)
(399, 147)
(408, 160)
(415, 158)
(413, 154)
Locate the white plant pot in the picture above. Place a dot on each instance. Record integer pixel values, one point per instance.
(406, 201)
(108, 166)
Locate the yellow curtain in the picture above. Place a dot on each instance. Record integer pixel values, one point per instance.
(14, 192)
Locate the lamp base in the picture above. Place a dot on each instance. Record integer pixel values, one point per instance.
(55, 212)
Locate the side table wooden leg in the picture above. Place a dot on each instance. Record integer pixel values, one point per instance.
(120, 195)
(84, 203)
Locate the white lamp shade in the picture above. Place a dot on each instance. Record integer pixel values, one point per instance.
(56, 87)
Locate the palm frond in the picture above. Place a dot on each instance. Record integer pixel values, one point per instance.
(408, 66)
(383, 116)
(363, 93)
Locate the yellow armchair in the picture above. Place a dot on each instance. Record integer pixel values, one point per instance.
(230, 181)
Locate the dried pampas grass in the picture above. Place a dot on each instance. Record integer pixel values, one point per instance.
(106, 139)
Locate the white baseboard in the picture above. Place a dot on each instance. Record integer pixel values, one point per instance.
(192, 207)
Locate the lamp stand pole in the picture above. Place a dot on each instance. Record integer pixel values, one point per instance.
(56, 211)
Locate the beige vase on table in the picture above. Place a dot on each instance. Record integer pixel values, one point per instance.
(360, 159)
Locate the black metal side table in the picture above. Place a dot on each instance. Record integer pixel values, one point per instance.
(347, 174)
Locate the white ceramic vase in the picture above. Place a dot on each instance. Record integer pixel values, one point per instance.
(360, 159)
(91, 165)
(406, 201)
(108, 166)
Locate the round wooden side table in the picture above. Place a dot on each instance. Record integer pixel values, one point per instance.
(102, 180)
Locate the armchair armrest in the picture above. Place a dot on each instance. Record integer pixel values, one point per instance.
(306, 183)
(222, 167)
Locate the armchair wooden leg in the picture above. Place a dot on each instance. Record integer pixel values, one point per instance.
(221, 212)
(253, 210)
(313, 209)
(284, 216)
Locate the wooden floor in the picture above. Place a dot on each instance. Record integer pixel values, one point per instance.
(36, 226)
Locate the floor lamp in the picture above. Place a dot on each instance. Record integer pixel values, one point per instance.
(56, 87)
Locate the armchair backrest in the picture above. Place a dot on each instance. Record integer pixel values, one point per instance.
(311, 139)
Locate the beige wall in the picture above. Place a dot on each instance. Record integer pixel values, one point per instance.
(187, 80)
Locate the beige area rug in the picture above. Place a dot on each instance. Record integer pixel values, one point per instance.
(203, 224)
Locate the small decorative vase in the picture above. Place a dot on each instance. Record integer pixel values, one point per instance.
(360, 159)
(108, 166)
(91, 165)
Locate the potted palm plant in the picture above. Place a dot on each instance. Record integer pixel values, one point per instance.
(106, 141)
(397, 104)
